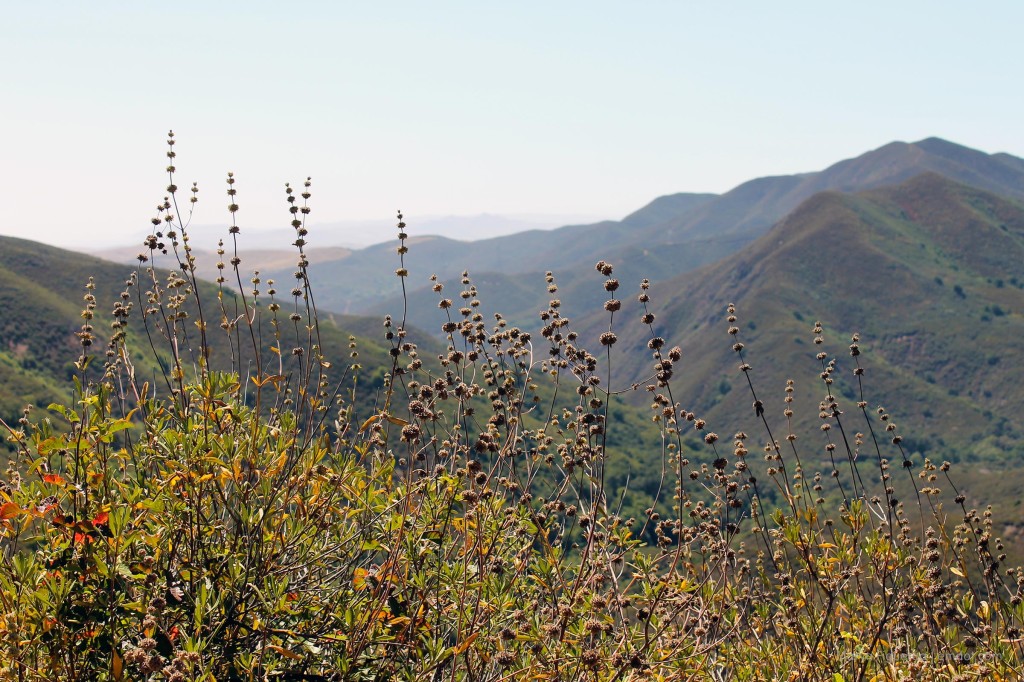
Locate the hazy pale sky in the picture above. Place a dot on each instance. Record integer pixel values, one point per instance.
(590, 108)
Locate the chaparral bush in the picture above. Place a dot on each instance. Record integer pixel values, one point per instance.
(248, 522)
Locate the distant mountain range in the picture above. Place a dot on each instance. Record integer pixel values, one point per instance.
(670, 235)
(334, 241)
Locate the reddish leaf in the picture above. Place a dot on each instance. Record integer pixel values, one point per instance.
(55, 479)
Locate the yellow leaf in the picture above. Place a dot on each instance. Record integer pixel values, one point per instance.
(117, 666)
(284, 652)
(270, 379)
(956, 571)
(281, 461)
(369, 422)
(373, 419)
(465, 643)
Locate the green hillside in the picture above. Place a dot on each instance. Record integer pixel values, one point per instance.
(41, 294)
(929, 273)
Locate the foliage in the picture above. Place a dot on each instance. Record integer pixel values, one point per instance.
(251, 525)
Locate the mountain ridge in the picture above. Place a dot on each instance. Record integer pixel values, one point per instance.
(719, 226)
(938, 321)
(669, 234)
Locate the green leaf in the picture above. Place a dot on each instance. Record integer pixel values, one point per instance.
(68, 414)
(118, 520)
(49, 445)
(118, 425)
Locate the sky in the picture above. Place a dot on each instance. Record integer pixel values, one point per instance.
(461, 108)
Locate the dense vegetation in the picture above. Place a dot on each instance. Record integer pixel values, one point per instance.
(488, 509)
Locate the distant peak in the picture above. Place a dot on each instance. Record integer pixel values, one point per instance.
(931, 145)
(937, 145)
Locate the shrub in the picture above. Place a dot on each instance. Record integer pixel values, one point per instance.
(250, 524)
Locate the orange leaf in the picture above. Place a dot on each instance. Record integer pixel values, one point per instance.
(55, 479)
(101, 519)
(9, 511)
(465, 643)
